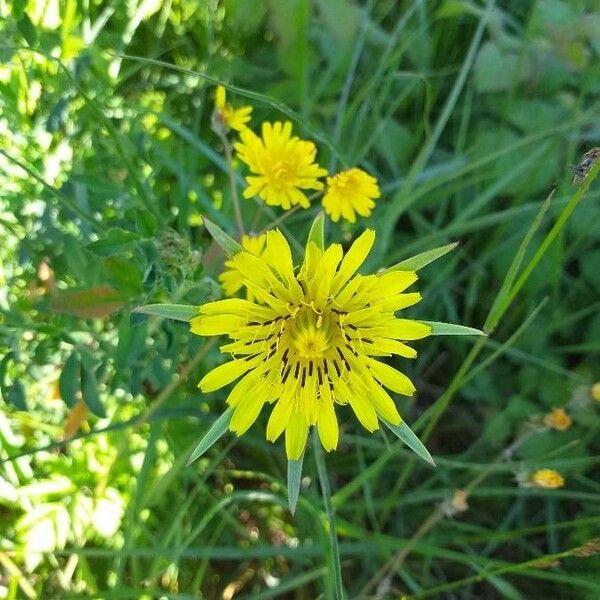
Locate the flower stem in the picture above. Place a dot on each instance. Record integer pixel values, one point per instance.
(234, 191)
(326, 491)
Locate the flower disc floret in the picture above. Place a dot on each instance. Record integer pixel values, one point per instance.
(314, 338)
(282, 165)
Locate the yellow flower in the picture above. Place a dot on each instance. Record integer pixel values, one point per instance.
(283, 165)
(312, 340)
(547, 479)
(349, 192)
(558, 419)
(232, 118)
(232, 279)
(596, 391)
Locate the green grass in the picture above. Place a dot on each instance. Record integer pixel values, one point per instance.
(469, 114)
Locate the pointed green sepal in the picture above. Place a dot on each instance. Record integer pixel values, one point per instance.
(414, 263)
(316, 233)
(213, 435)
(438, 328)
(294, 477)
(178, 312)
(227, 243)
(404, 433)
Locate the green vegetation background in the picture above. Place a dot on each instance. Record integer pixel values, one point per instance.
(469, 114)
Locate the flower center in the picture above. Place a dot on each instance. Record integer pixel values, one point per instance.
(283, 171)
(310, 334)
(311, 342)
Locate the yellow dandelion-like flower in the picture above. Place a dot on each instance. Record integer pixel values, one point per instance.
(547, 479)
(313, 339)
(350, 192)
(232, 280)
(558, 419)
(596, 391)
(225, 114)
(283, 165)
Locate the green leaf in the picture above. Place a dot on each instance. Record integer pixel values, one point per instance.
(95, 302)
(294, 477)
(27, 30)
(227, 243)
(215, 433)
(125, 339)
(414, 263)
(179, 312)
(316, 233)
(116, 241)
(69, 380)
(15, 395)
(405, 434)
(89, 390)
(438, 328)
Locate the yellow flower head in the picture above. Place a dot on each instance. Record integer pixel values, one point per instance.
(596, 391)
(349, 192)
(225, 114)
(547, 479)
(232, 279)
(558, 419)
(283, 165)
(313, 339)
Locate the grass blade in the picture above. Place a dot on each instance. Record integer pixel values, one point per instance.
(227, 243)
(294, 478)
(213, 435)
(414, 263)
(178, 312)
(404, 433)
(439, 328)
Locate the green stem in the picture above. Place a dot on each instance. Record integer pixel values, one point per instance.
(232, 183)
(326, 491)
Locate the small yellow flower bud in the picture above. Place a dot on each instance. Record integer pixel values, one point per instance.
(558, 419)
(547, 479)
(596, 391)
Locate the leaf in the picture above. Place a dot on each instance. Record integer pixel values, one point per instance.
(414, 263)
(406, 435)
(227, 243)
(69, 380)
(89, 390)
(316, 233)
(77, 415)
(15, 395)
(93, 303)
(125, 339)
(27, 30)
(294, 477)
(178, 312)
(215, 433)
(438, 328)
(116, 241)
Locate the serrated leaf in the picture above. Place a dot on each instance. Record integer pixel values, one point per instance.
(294, 477)
(404, 433)
(439, 328)
(178, 312)
(69, 380)
(89, 390)
(414, 263)
(316, 234)
(227, 243)
(213, 435)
